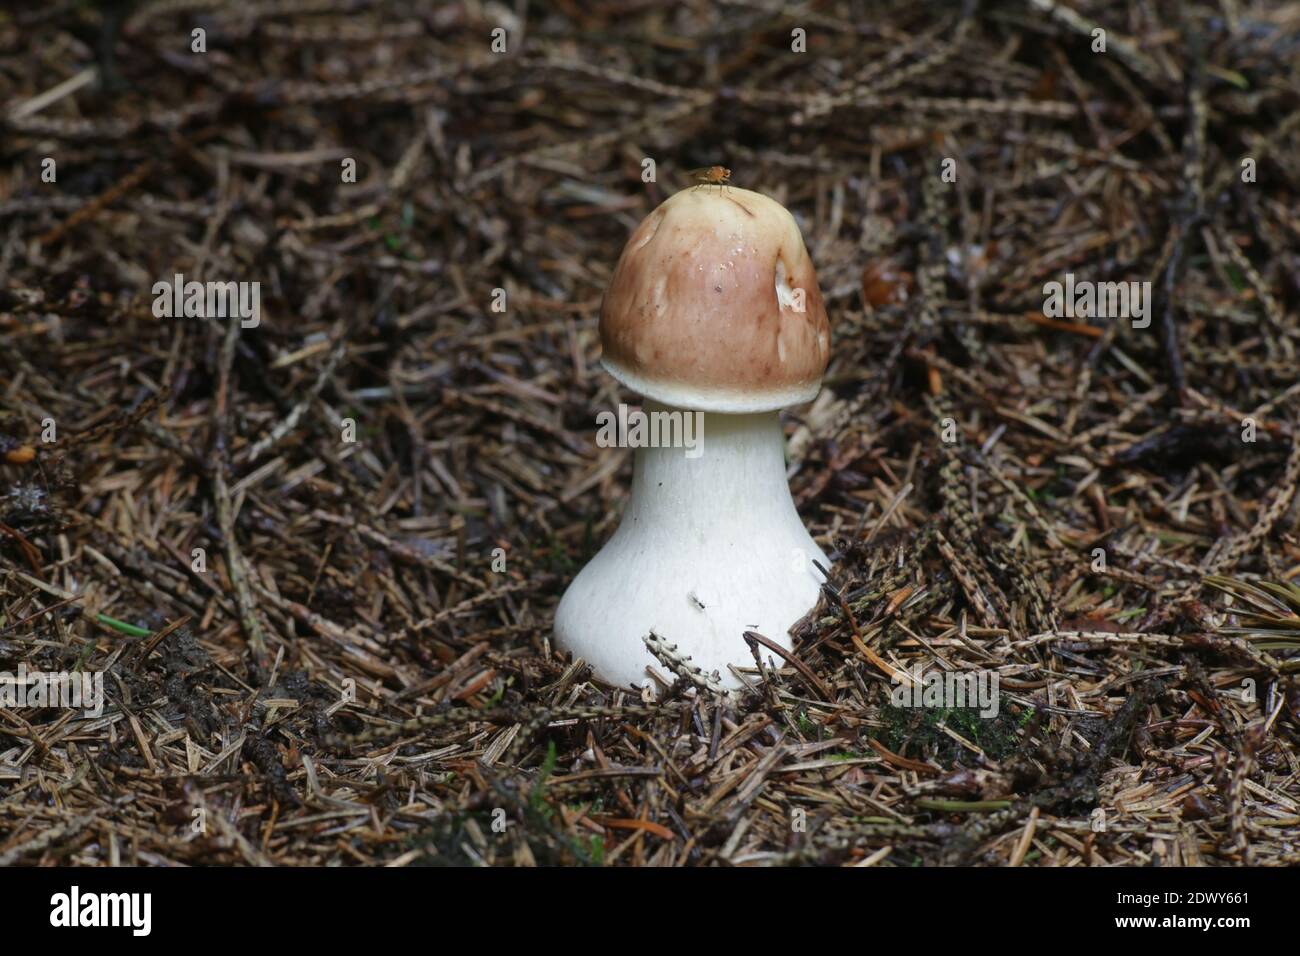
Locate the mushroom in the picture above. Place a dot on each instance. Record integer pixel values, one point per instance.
(713, 309)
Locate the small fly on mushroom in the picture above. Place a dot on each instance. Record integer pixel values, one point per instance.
(710, 176)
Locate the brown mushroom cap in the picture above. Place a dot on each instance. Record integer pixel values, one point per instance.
(700, 313)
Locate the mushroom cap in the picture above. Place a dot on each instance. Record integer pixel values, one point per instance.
(702, 311)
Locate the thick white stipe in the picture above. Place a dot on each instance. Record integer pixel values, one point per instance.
(718, 530)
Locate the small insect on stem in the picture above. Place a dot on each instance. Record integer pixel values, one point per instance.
(711, 176)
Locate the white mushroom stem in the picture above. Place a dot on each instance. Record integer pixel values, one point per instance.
(708, 548)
